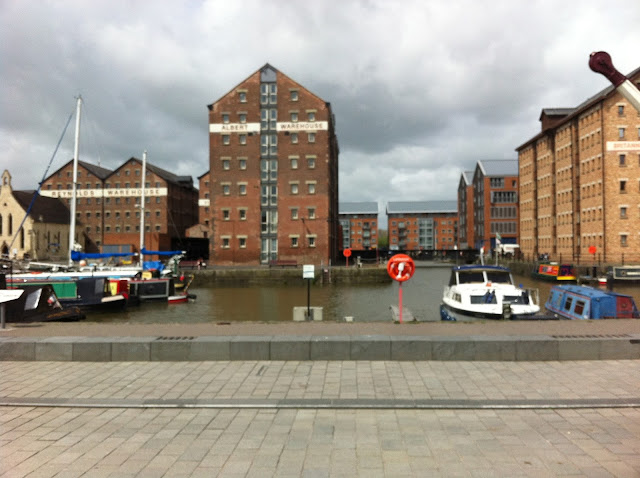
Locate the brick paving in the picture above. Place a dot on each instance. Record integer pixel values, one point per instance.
(123, 438)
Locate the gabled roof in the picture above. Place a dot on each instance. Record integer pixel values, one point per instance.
(97, 171)
(556, 111)
(268, 70)
(45, 209)
(358, 208)
(499, 167)
(163, 173)
(467, 177)
(422, 207)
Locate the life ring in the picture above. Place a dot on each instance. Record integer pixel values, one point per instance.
(401, 267)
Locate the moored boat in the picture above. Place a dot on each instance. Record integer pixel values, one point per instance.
(584, 302)
(36, 303)
(552, 271)
(483, 291)
(87, 293)
(624, 274)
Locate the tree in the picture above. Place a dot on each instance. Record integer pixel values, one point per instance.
(383, 239)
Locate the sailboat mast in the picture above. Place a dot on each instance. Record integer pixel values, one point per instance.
(142, 199)
(76, 149)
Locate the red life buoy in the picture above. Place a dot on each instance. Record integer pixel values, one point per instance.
(401, 267)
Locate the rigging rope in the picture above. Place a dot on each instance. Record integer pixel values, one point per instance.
(44, 176)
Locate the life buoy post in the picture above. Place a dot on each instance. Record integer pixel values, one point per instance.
(400, 268)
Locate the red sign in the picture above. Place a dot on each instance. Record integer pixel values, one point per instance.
(592, 249)
(401, 267)
(347, 252)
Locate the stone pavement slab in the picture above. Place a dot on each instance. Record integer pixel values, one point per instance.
(259, 418)
(325, 442)
(241, 381)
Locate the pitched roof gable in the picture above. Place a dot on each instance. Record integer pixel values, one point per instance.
(45, 209)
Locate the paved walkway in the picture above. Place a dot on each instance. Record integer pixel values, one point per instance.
(320, 419)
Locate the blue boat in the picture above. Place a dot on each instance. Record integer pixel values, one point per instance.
(581, 302)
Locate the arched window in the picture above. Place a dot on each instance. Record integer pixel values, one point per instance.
(0, 224)
(10, 224)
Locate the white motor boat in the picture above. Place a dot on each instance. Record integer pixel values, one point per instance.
(489, 292)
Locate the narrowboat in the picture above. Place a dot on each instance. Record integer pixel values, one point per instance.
(87, 293)
(580, 302)
(552, 271)
(489, 292)
(624, 274)
(35, 303)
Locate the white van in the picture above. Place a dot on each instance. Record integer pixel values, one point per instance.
(507, 249)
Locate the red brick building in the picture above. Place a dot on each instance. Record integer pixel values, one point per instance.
(495, 189)
(108, 205)
(422, 225)
(273, 173)
(359, 225)
(580, 181)
(466, 210)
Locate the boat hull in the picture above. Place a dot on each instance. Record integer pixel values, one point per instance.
(38, 303)
(452, 314)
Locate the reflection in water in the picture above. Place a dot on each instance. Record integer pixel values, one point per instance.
(422, 295)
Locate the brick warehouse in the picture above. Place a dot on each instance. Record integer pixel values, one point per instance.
(108, 205)
(580, 181)
(273, 173)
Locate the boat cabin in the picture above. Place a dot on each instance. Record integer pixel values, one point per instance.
(582, 302)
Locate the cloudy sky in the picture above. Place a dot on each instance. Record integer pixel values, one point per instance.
(421, 89)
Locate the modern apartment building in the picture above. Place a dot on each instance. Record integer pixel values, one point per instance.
(108, 205)
(359, 225)
(273, 173)
(466, 238)
(580, 182)
(495, 199)
(422, 225)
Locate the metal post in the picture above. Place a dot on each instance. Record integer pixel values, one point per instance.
(400, 301)
(308, 299)
(3, 319)
(72, 209)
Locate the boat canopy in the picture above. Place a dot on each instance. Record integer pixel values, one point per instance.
(160, 253)
(78, 256)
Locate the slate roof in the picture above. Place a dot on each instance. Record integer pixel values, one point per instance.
(499, 167)
(557, 111)
(97, 171)
(422, 207)
(358, 208)
(164, 174)
(51, 210)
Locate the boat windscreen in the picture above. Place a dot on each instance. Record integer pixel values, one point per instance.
(470, 277)
(499, 277)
